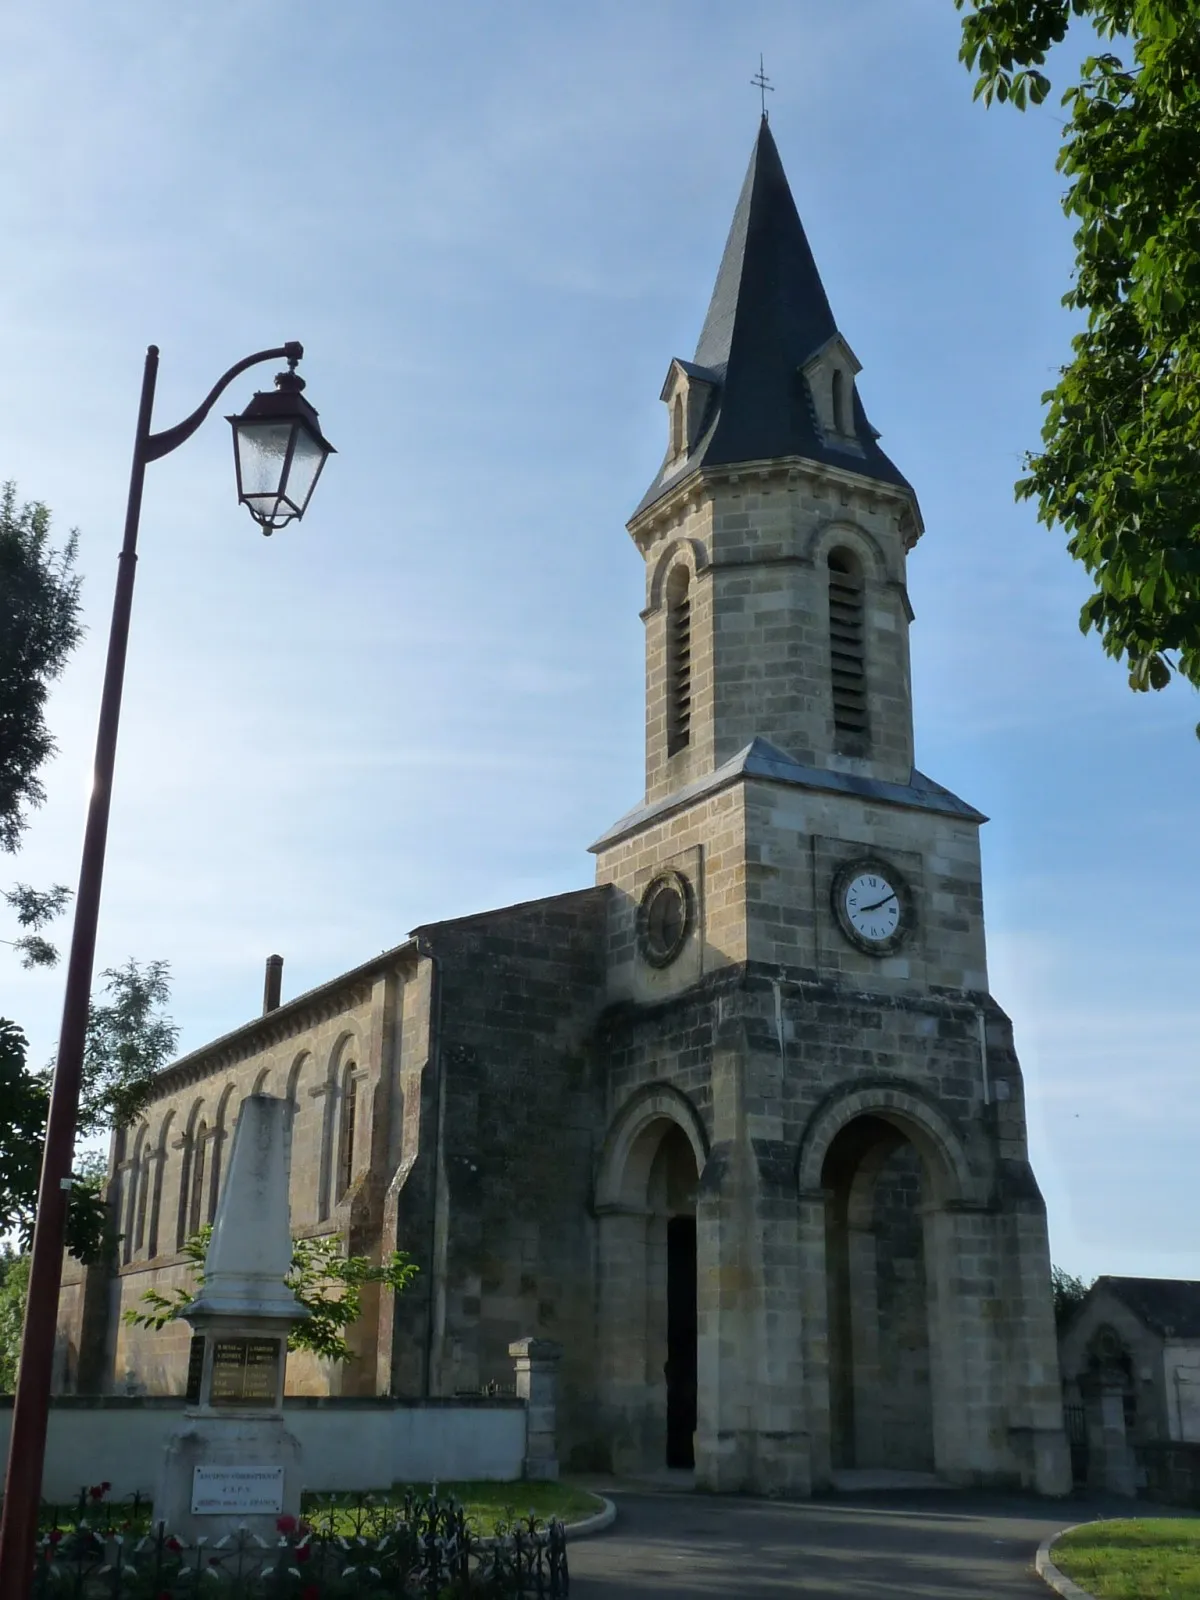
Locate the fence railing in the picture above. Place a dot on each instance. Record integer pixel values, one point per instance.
(418, 1549)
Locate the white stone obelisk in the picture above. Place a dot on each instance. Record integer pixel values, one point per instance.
(232, 1462)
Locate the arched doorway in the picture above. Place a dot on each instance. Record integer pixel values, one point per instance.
(880, 1377)
(646, 1203)
(671, 1288)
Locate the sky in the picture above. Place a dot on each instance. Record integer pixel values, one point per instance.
(492, 228)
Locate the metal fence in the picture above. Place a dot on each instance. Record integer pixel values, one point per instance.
(418, 1549)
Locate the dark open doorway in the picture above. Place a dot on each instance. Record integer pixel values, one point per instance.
(681, 1341)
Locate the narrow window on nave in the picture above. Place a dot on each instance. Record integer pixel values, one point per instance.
(847, 657)
(199, 1152)
(185, 1191)
(678, 442)
(143, 1198)
(679, 660)
(346, 1140)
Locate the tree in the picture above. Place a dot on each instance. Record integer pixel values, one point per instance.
(326, 1281)
(14, 1282)
(1069, 1292)
(40, 591)
(129, 1040)
(1119, 468)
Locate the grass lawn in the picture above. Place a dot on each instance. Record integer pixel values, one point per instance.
(1146, 1558)
(485, 1503)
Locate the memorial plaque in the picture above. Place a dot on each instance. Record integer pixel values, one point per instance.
(246, 1489)
(195, 1369)
(245, 1372)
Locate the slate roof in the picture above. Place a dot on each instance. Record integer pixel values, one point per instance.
(761, 759)
(1169, 1306)
(769, 315)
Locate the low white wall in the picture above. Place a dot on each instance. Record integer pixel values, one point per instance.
(348, 1444)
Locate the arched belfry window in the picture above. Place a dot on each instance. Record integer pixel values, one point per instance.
(346, 1131)
(838, 384)
(679, 660)
(847, 655)
(678, 438)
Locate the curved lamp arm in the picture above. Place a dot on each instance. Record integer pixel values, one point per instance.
(161, 444)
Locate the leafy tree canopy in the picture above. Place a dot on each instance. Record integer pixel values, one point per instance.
(1119, 468)
(14, 1284)
(1069, 1292)
(323, 1278)
(129, 1039)
(39, 612)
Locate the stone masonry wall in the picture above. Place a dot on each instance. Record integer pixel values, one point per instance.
(520, 990)
(301, 1051)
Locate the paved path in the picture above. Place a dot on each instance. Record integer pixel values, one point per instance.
(922, 1545)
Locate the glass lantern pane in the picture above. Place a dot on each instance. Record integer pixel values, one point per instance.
(262, 450)
(307, 461)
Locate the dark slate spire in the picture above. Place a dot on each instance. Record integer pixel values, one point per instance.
(769, 315)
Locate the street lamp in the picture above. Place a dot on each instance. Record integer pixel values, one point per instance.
(279, 452)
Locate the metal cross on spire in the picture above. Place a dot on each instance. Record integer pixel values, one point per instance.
(763, 84)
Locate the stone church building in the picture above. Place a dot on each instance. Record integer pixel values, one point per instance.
(740, 1126)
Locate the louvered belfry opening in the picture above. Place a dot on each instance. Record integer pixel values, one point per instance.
(847, 662)
(679, 660)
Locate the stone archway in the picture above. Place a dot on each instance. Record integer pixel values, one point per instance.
(889, 1204)
(880, 1380)
(646, 1206)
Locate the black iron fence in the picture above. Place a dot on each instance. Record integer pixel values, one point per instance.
(420, 1548)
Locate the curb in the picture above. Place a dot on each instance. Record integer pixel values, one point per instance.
(594, 1524)
(1049, 1573)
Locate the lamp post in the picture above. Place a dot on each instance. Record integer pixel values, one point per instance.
(279, 452)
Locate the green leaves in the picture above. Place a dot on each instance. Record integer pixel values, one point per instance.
(39, 627)
(34, 909)
(128, 1041)
(323, 1278)
(1119, 468)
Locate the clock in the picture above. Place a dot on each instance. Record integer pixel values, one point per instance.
(872, 904)
(664, 918)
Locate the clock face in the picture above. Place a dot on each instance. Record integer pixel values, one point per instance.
(871, 906)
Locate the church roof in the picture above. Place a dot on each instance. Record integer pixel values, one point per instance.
(1168, 1306)
(768, 316)
(762, 759)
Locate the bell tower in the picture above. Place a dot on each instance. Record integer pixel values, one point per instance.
(817, 1136)
(776, 530)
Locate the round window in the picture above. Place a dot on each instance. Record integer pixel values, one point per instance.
(664, 918)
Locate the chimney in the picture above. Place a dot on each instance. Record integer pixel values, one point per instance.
(273, 984)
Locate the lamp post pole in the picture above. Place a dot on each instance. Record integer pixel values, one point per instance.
(27, 1441)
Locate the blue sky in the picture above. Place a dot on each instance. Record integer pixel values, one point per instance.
(492, 227)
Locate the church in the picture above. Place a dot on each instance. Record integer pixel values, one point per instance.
(741, 1126)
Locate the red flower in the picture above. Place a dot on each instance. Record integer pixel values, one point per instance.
(302, 1552)
(286, 1523)
(54, 1535)
(96, 1492)
(106, 1486)
(173, 1543)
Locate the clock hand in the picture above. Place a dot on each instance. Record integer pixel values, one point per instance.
(864, 909)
